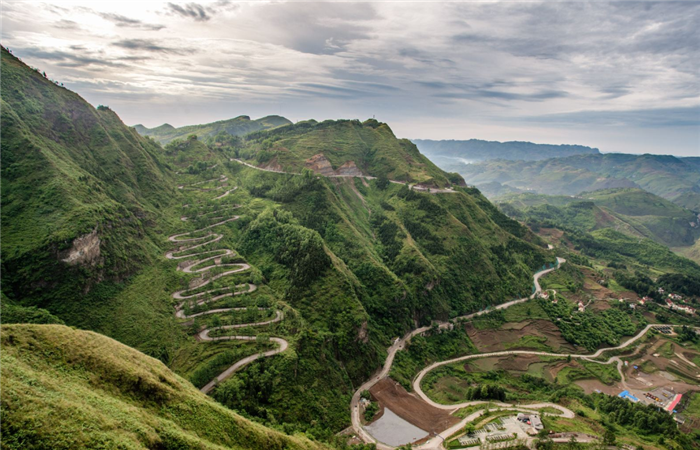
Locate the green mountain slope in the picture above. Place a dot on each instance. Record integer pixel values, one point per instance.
(477, 150)
(88, 205)
(83, 200)
(386, 258)
(630, 210)
(600, 232)
(672, 178)
(237, 126)
(108, 395)
(344, 147)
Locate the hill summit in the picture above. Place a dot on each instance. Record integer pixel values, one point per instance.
(238, 126)
(344, 147)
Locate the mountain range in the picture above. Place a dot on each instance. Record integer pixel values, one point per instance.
(88, 214)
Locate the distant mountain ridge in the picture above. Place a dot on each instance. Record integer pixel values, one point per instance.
(479, 150)
(238, 126)
(630, 210)
(669, 177)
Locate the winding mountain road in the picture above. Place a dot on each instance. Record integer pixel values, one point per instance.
(399, 344)
(436, 442)
(201, 262)
(415, 187)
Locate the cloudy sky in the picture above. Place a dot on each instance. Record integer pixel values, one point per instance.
(623, 77)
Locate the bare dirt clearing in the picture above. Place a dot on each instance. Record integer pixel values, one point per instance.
(409, 407)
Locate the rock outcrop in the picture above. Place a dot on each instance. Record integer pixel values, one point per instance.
(322, 166)
(85, 250)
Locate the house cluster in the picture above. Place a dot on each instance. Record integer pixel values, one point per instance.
(682, 308)
(672, 298)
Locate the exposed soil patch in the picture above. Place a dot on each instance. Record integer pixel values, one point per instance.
(519, 362)
(409, 407)
(507, 337)
(553, 234)
(593, 385)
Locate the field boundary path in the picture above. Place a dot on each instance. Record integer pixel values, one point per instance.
(201, 262)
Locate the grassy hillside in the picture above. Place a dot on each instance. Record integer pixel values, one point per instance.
(370, 146)
(599, 233)
(478, 150)
(108, 395)
(674, 179)
(237, 126)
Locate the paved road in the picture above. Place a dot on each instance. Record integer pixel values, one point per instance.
(414, 187)
(214, 258)
(239, 364)
(399, 344)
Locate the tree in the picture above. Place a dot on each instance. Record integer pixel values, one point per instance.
(469, 428)
(573, 443)
(609, 437)
(382, 182)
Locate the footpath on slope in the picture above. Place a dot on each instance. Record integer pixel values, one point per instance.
(194, 263)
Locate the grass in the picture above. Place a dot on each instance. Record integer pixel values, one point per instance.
(530, 342)
(110, 396)
(526, 310)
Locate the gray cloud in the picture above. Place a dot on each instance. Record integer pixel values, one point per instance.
(123, 21)
(69, 59)
(476, 69)
(149, 46)
(64, 24)
(190, 11)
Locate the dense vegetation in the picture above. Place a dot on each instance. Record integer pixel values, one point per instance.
(71, 171)
(601, 233)
(593, 330)
(370, 145)
(436, 345)
(631, 211)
